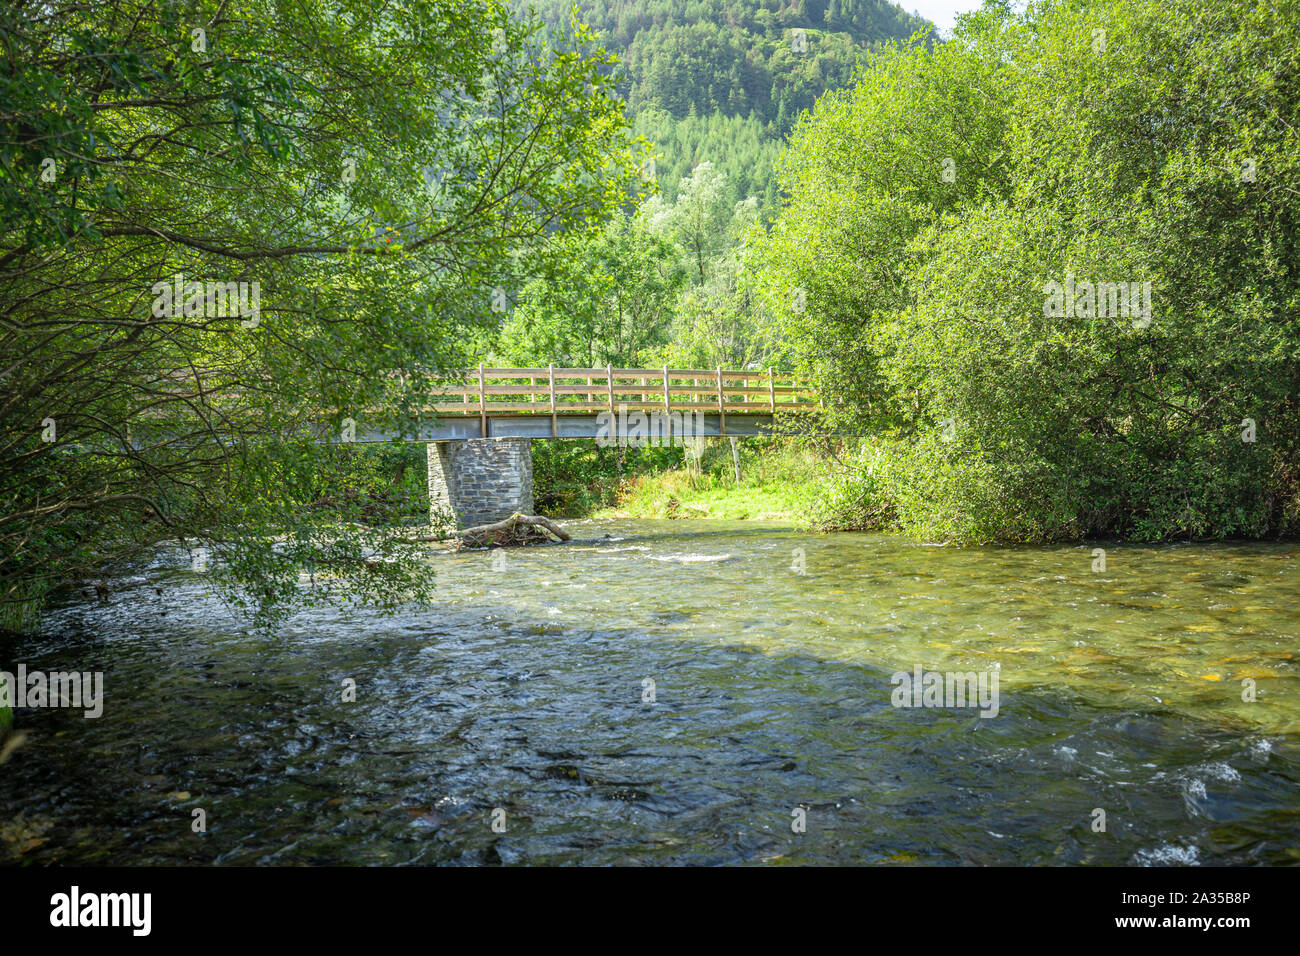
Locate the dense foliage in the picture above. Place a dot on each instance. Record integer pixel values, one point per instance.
(1100, 146)
(370, 173)
(666, 285)
(432, 183)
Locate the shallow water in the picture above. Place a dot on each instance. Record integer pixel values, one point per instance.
(522, 691)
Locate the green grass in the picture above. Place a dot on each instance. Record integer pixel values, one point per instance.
(778, 483)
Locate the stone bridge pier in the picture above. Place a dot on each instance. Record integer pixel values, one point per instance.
(480, 480)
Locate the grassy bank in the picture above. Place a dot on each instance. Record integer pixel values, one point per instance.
(778, 482)
(932, 491)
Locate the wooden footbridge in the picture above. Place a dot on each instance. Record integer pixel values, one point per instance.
(556, 402)
(479, 423)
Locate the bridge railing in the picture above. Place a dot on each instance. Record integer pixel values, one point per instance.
(584, 391)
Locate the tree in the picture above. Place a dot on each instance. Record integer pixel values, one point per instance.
(698, 221)
(719, 324)
(962, 299)
(607, 301)
(370, 175)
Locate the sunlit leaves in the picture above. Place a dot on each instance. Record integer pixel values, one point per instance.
(284, 145)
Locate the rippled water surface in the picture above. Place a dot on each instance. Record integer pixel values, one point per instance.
(523, 690)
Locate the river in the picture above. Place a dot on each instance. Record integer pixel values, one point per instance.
(683, 692)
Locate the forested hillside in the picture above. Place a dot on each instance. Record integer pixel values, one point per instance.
(723, 81)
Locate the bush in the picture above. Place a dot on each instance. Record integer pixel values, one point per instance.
(373, 483)
(857, 498)
(1023, 159)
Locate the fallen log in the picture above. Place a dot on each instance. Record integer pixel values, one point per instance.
(518, 529)
(512, 531)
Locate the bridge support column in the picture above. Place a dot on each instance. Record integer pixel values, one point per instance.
(480, 480)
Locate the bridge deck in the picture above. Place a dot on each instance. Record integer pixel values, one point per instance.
(565, 426)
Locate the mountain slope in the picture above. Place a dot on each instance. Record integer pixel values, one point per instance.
(724, 80)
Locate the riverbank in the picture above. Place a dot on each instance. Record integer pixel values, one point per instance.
(776, 484)
(927, 491)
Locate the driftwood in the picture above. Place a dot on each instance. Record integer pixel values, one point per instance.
(518, 529)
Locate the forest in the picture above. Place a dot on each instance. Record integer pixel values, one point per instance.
(724, 82)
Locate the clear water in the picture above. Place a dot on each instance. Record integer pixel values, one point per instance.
(522, 691)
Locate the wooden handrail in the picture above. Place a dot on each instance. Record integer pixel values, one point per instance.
(619, 389)
(575, 390)
(490, 392)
